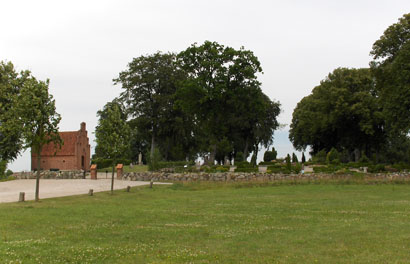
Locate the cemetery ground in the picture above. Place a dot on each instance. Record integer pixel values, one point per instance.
(213, 223)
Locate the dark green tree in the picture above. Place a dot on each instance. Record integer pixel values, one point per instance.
(223, 94)
(288, 163)
(391, 67)
(149, 84)
(342, 112)
(303, 157)
(112, 134)
(270, 155)
(294, 158)
(38, 119)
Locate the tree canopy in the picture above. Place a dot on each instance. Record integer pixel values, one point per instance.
(391, 68)
(223, 94)
(11, 82)
(342, 112)
(38, 119)
(204, 101)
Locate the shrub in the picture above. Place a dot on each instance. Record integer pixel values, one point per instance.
(106, 163)
(364, 158)
(333, 157)
(377, 168)
(247, 169)
(221, 169)
(9, 173)
(297, 168)
(153, 162)
(174, 164)
(320, 157)
(270, 155)
(239, 157)
(268, 163)
(3, 167)
(243, 164)
(288, 164)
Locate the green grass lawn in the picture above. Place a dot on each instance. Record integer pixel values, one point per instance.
(127, 168)
(213, 223)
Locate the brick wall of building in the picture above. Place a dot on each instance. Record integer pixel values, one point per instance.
(74, 153)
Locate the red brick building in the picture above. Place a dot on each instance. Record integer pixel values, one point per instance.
(73, 155)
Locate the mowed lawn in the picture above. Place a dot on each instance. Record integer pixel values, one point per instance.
(213, 223)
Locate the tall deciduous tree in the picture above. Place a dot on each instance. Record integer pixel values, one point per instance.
(391, 67)
(222, 92)
(38, 119)
(149, 85)
(112, 134)
(11, 82)
(342, 112)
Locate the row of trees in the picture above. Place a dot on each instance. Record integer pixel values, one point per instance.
(28, 117)
(362, 111)
(204, 101)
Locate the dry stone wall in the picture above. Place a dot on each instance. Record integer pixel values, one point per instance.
(77, 174)
(230, 176)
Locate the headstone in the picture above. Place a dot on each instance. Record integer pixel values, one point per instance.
(131, 165)
(198, 165)
(22, 196)
(119, 171)
(93, 171)
(140, 159)
(232, 169)
(227, 162)
(365, 169)
(262, 168)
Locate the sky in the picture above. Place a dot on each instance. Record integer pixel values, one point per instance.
(82, 45)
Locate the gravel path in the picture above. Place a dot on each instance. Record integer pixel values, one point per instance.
(9, 191)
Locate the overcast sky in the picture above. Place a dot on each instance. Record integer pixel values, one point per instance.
(82, 45)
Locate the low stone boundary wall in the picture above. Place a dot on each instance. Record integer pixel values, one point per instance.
(264, 177)
(51, 175)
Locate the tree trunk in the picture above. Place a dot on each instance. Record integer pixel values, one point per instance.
(212, 155)
(246, 150)
(152, 145)
(37, 195)
(112, 179)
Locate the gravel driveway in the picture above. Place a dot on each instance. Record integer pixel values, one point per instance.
(9, 191)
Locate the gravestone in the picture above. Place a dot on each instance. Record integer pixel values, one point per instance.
(227, 162)
(262, 168)
(198, 165)
(140, 159)
(232, 169)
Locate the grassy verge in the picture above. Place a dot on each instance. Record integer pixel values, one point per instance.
(8, 178)
(213, 223)
(127, 168)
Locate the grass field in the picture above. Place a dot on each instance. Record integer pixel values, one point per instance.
(213, 223)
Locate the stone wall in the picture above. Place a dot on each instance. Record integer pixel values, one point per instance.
(78, 174)
(238, 177)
